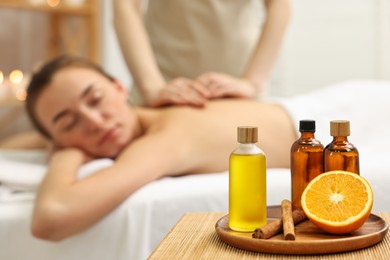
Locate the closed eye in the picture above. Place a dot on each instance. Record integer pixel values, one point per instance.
(72, 124)
(94, 101)
(68, 122)
(95, 97)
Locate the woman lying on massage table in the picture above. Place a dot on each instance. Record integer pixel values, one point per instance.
(85, 113)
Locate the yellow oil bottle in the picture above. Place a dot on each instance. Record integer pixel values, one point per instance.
(247, 183)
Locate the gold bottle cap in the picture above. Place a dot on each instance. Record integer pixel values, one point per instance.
(247, 134)
(339, 128)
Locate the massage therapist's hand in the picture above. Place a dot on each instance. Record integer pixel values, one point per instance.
(180, 91)
(224, 85)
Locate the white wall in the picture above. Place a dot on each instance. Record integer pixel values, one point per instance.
(331, 41)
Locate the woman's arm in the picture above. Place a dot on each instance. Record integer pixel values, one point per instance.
(136, 47)
(25, 140)
(260, 64)
(65, 206)
(269, 43)
(140, 59)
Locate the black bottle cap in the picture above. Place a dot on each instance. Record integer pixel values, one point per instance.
(307, 126)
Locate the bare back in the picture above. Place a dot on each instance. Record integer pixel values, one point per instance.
(206, 136)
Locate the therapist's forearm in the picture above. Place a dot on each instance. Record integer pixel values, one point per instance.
(269, 43)
(136, 47)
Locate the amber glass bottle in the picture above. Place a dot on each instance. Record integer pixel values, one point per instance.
(306, 160)
(340, 154)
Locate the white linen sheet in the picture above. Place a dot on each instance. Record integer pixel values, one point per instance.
(135, 228)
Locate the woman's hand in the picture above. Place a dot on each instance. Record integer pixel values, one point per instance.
(180, 91)
(79, 156)
(224, 85)
(184, 91)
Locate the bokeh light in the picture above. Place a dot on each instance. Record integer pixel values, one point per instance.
(21, 94)
(16, 77)
(53, 3)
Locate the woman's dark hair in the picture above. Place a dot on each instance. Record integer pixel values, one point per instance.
(42, 78)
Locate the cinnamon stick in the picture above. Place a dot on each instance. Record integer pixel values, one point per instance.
(288, 222)
(276, 227)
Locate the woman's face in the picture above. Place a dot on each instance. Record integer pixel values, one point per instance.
(81, 108)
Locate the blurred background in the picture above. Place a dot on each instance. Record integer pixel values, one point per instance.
(327, 42)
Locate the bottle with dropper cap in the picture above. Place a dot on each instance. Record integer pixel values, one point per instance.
(247, 183)
(340, 154)
(306, 160)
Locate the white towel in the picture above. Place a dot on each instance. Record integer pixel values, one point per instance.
(21, 172)
(365, 103)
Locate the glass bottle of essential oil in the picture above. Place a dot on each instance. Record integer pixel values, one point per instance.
(247, 183)
(306, 160)
(340, 154)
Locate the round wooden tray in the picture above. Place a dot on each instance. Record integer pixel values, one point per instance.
(308, 238)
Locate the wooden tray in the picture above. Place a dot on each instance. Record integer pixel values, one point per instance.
(308, 238)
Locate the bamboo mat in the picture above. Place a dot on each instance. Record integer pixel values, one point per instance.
(194, 237)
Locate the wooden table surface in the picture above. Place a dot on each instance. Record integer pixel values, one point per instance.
(194, 237)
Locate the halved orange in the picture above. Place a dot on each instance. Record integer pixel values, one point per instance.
(338, 202)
